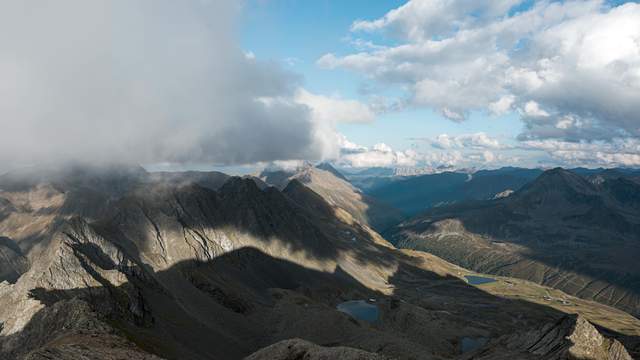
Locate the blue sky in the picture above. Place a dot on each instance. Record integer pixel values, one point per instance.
(297, 33)
(533, 130)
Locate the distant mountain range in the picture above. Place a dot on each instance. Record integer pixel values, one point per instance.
(577, 233)
(416, 194)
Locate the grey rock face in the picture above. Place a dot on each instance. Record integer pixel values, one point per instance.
(337, 191)
(296, 349)
(571, 337)
(70, 330)
(12, 262)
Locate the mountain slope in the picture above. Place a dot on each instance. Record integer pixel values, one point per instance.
(560, 230)
(327, 182)
(571, 337)
(416, 194)
(182, 271)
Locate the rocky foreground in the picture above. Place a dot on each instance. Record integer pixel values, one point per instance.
(571, 337)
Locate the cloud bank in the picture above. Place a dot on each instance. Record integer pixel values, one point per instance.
(143, 81)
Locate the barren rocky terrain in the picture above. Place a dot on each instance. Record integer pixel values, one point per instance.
(121, 265)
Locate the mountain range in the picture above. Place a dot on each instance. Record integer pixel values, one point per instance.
(572, 232)
(120, 263)
(416, 194)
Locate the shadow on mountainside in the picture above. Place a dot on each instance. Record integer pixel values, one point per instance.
(416, 194)
(566, 236)
(231, 306)
(243, 213)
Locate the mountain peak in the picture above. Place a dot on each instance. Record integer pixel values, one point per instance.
(328, 167)
(558, 172)
(558, 180)
(240, 185)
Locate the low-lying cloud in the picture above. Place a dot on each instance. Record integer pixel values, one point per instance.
(142, 81)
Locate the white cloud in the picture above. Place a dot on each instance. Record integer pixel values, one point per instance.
(478, 140)
(144, 81)
(335, 109)
(532, 108)
(617, 152)
(568, 122)
(425, 19)
(571, 68)
(502, 105)
(462, 151)
(488, 156)
(380, 155)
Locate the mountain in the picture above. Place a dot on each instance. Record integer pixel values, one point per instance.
(418, 193)
(571, 337)
(209, 179)
(333, 187)
(561, 230)
(300, 349)
(369, 178)
(327, 167)
(165, 270)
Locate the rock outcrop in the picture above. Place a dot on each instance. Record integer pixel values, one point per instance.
(336, 190)
(570, 338)
(297, 349)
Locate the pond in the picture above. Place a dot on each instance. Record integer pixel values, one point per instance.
(469, 344)
(360, 309)
(478, 280)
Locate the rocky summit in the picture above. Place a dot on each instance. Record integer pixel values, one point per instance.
(336, 190)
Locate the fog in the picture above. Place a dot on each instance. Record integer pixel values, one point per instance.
(143, 81)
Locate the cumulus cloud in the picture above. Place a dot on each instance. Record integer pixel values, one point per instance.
(444, 152)
(444, 17)
(503, 105)
(478, 141)
(143, 81)
(616, 152)
(335, 109)
(570, 68)
(380, 155)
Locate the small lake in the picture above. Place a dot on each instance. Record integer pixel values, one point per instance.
(469, 344)
(360, 309)
(478, 280)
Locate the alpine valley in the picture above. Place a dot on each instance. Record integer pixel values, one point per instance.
(116, 262)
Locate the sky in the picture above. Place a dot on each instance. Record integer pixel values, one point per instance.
(446, 79)
(202, 84)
